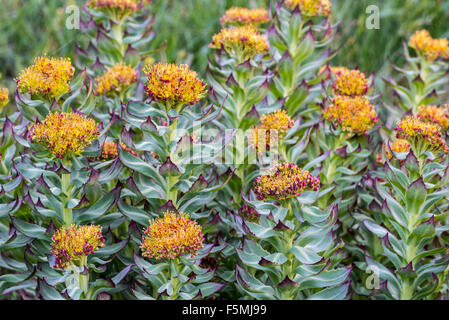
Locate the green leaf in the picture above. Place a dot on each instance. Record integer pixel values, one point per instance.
(133, 213)
(305, 255)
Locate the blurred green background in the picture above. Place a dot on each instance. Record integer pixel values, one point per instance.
(32, 27)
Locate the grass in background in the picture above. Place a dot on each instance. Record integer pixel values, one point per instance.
(32, 27)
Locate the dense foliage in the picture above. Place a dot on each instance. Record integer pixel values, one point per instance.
(268, 168)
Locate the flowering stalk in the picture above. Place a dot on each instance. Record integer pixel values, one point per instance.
(404, 221)
(298, 37)
(426, 74)
(177, 241)
(71, 246)
(65, 135)
(238, 83)
(276, 242)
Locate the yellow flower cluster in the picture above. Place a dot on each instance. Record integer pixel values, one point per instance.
(349, 82)
(119, 8)
(174, 84)
(172, 236)
(431, 48)
(65, 134)
(279, 121)
(312, 8)
(47, 77)
(70, 245)
(116, 79)
(287, 180)
(243, 16)
(398, 146)
(434, 114)
(4, 97)
(242, 42)
(422, 136)
(355, 115)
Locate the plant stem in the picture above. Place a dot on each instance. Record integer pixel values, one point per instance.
(172, 195)
(118, 35)
(176, 284)
(66, 195)
(84, 279)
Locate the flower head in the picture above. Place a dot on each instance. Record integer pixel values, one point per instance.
(312, 8)
(4, 97)
(243, 16)
(172, 236)
(249, 213)
(174, 84)
(287, 180)
(355, 115)
(116, 79)
(277, 123)
(397, 146)
(430, 48)
(116, 8)
(47, 77)
(71, 244)
(242, 42)
(349, 82)
(422, 136)
(65, 134)
(434, 114)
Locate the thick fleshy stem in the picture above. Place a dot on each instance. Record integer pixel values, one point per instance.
(66, 195)
(84, 279)
(289, 267)
(117, 29)
(173, 273)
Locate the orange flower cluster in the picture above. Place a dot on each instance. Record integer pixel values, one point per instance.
(430, 48)
(4, 97)
(65, 134)
(174, 84)
(277, 123)
(116, 79)
(286, 181)
(434, 114)
(242, 16)
(312, 8)
(70, 245)
(47, 77)
(172, 236)
(355, 115)
(349, 82)
(117, 8)
(242, 42)
(422, 136)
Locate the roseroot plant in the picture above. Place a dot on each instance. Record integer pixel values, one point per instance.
(288, 252)
(49, 84)
(174, 245)
(401, 232)
(71, 246)
(299, 38)
(238, 85)
(116, 42)
(344, 139)
(426, 75)
(118, 32)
